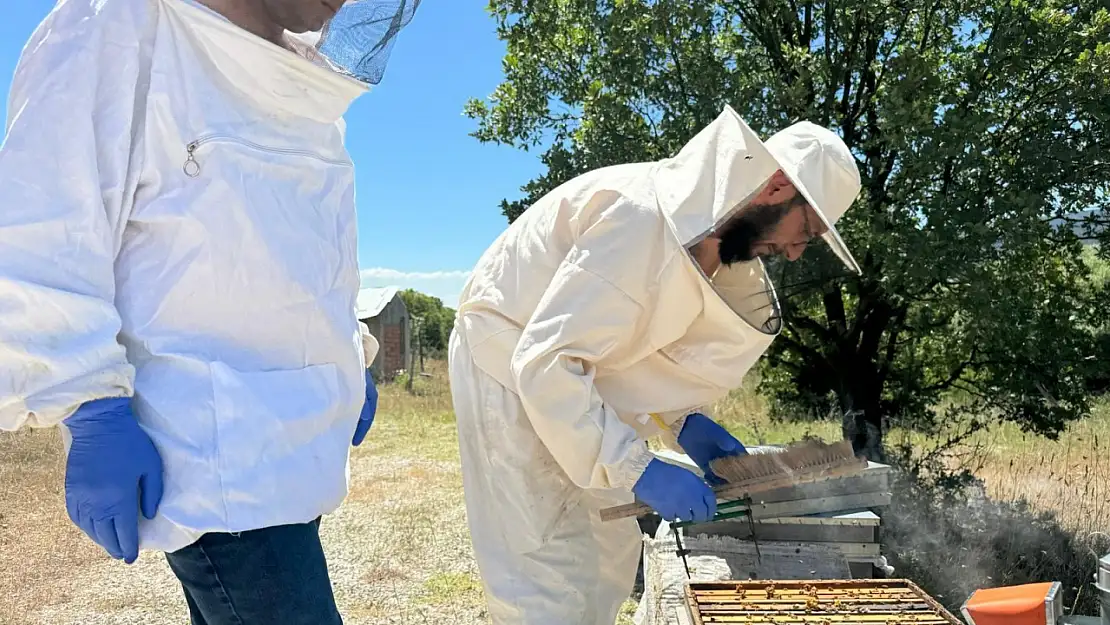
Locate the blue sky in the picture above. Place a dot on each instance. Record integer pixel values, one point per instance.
(428, 193)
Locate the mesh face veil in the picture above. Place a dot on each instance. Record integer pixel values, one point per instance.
(358, 40)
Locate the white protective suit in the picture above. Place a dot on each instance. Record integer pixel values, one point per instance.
(179, 224)
(585, 318)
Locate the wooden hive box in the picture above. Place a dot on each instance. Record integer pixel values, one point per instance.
(816, 602)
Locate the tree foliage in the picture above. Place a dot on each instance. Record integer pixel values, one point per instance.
(437, 320)
(981, 127)
(1098, 382)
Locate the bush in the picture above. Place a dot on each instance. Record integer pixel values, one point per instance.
(943, 532)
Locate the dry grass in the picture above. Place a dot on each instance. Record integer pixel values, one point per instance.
(1069, 476)
(37, 541)
(398, 548)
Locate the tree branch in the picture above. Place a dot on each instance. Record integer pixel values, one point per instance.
(805, 351)
(807, 25)
(823, 333)
(892, 345)
(834, 311)
(872, 328)
(679, 74)
(764, 32)
(831, 67)
(927, 27)
(956, 375)
(850, 53)
(789, 25)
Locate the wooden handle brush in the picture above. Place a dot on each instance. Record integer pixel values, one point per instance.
(748, 474)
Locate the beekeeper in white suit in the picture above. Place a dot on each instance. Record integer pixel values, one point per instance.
(612, 311)
(178, 281)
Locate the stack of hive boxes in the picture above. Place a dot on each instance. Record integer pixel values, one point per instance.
(840, 513)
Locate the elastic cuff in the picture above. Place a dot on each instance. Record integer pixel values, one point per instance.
(370, 348)
(102, 405)
(96, 410)
(633, 467)
(676, 427)
(669, 434)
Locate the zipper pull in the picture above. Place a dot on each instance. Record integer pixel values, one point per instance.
(191, 166)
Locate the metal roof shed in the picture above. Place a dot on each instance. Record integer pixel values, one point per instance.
(385, 313)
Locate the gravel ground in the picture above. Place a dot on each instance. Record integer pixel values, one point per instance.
(398, 548)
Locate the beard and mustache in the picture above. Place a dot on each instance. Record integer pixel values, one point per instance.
(751, 226)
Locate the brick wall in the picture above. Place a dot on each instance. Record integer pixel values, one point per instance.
(393, 352)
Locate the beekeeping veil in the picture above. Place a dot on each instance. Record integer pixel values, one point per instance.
(358, 40)
(724, 167)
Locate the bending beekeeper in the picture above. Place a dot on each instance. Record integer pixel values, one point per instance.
(610, 312)
(178, 281)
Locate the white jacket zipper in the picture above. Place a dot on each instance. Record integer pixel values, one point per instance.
(192, 166)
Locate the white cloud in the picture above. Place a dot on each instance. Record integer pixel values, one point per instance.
(446, 285)
(384, 273)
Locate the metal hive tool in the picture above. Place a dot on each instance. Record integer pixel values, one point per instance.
(816, 602)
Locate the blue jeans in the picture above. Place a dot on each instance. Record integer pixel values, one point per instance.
(271, 576)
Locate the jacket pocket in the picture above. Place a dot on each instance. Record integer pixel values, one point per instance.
(193, 165)
(281, 434)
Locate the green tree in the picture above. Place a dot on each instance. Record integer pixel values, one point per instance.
(437, 320)
(977, 125)
(1098, 380)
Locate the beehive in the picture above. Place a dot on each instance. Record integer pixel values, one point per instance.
(816, 602)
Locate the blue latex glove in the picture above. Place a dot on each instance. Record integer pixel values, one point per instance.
(675, 493)
(112, 472)
(704, 440)
(369, 409)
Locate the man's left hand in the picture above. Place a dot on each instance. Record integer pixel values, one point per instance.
(369, 409)
(704, 440)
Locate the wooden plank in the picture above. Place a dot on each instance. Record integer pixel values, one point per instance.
(739, 528)
(822, 585)
(757, 488)
(870, 604)
(774, 561)
(781, 594)
(869, 481)
(850, 550)
(710, 616)
(889, 611)
(860, 519)
(862, 568)
(798, 509)
(862, 515)
(824, 504)
(692, 605)
(788, 595)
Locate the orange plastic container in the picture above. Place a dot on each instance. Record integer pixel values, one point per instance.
(1028, 604)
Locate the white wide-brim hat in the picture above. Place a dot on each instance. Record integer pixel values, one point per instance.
(823, 170)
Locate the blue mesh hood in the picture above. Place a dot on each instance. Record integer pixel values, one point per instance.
(358, 40)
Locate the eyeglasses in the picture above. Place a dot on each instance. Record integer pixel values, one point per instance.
(808, 213)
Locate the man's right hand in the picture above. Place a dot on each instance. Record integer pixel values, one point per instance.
(675, 493)
(112, 470)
